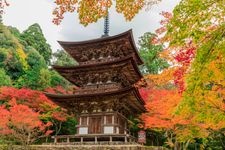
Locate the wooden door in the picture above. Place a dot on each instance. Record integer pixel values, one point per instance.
(95, 125)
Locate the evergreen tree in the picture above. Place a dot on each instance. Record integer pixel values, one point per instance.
(34, 37)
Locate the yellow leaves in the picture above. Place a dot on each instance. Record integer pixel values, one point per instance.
(63, 6)
(161, 79)
(21, 53)
(91, 10)
(22, 57)
(218, 75)
(129, 8)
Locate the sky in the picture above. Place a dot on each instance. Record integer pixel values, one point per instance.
(23, 13)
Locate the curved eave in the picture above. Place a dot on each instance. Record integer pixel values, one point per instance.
(128, 33)
(99, 66)
(137, 94)
(62, 98)
(98, 40)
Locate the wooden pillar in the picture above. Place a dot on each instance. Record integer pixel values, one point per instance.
(125, 139)
(96, 140)
(110, 139)
(104, 121)
(67, 139)
(81, 140)
(113, 119)
(87, 120)
(113, 123)
(125, 127)
(55, 140)
(80, 121)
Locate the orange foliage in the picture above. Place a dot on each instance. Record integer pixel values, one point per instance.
(90, 11)
(161, 79)
(22, 123)
(34, 99)
(161, 105)
(21, 102)
(20, 120)
(60, 116)
(4, 115)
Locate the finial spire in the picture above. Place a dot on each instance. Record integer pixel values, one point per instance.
(106, 25)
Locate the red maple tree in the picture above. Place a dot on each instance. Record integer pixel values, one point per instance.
(15, 106)
(21, 123)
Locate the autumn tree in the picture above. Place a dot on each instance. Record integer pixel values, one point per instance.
(195, 51)
(31, 102)
(91, 10)
(194, 34)
(203, 97)
(160, 105)
(16, 125)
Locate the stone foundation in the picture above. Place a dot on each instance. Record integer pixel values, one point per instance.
(82, 147)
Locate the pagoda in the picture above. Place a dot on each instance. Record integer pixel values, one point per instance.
(106, 97)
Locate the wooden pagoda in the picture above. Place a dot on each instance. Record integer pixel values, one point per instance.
(106, 74)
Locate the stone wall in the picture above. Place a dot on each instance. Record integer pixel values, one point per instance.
(81, 147)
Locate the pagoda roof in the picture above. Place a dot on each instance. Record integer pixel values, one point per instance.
(119, 45)
(123, 71)
(130, 96)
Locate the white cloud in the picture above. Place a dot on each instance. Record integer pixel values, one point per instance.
(23, 13)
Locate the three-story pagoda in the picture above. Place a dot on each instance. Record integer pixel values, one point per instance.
(106, 74)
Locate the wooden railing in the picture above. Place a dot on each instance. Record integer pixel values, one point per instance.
(94, 139)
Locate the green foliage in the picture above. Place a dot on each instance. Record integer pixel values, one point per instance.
(4, 79)
(44, 78)
(23, 59)
(192, 18)
(153, 64)
(13, 58)
(34, 59)
(57, 79)
(63, 59)
(35, 78)
(205, 82)
(14, 31)
(68, 127)
(35, 38)
(6, 39)
(3, 56)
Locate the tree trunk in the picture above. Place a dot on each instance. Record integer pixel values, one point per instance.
(186, 145)
(28, 138)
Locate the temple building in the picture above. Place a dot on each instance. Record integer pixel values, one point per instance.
(106, 97)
